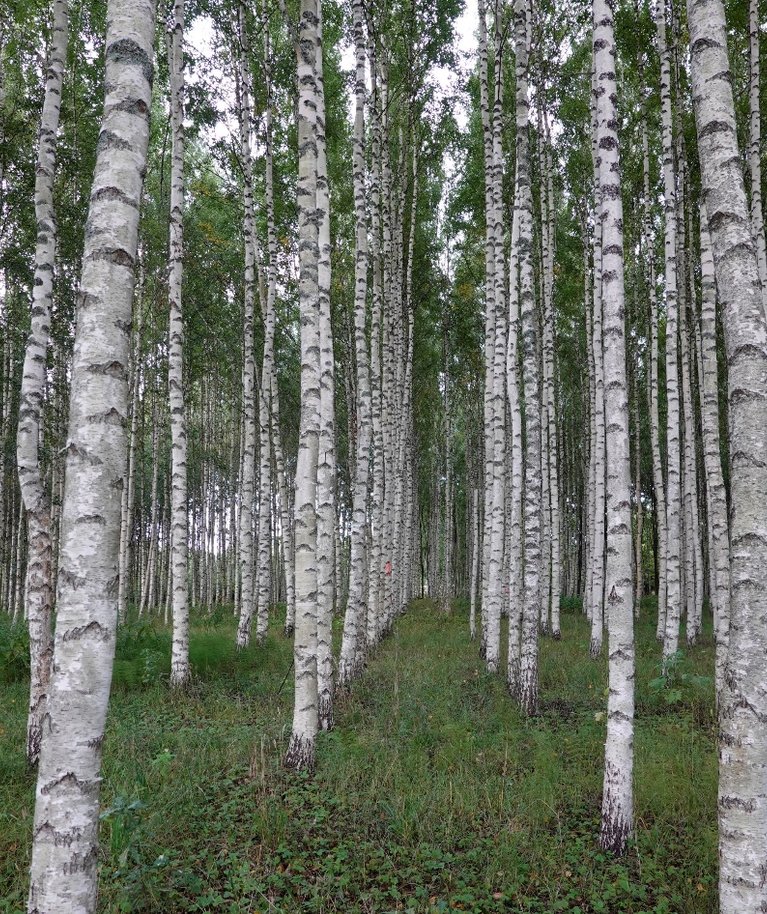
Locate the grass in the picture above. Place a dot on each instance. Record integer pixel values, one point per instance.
(433, 793)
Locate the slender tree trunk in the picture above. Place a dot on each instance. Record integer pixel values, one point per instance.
(597, 596)
(475, 550)
(268, 392)
(673, 449)
(716, 498)
(516, 544)
(179, 664)
(300, 753)
(37, 501)
(129, 492)
(755, 147)
(617, 797)
(326, 471)
(247, 594)
(659, 487)
(549, 348)
(528, 689)
(65, 835)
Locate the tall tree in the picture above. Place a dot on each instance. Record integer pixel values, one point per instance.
(617, 797)
(673, 444)
(755, 146)
(528, 677)
(300, 753)
(179, 665)
(353, 645)
(742, 700)
(248, 417)
(39, 589)
(65, 836)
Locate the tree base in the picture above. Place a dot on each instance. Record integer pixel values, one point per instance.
(180, 677)
(300, 754)
(614, 834)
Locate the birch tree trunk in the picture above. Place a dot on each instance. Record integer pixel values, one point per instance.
(716, 497)
(528, 689)
(617, 797)
(300, 753)
(495, 347)
(326, 470)
(65, 834)
(475, 550)
(268, 392)
(742, 700)
(39, 586)
(657, 464)
(673, 448)
(516, 568)
(129, 492)
(549, 335)
(597, 595)
(353, 644)
(249, 364)
(755, 147)
(179, 665)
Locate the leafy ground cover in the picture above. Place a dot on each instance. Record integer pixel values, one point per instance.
(433, 793)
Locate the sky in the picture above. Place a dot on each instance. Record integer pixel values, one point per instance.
(199, 39)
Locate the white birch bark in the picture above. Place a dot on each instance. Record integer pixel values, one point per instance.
(374, 614)
(326, 471)
(716, 497)
(36, 498)
(617, 796)
(528, 689)
(268, 392)
(549, 347)
(475, 550)
(247, 593)
(127, 508)
(673, 447)
(597, 594)
(65, 834)
(657, 464)
(742, 700)
(516, 568)
(300, 753)
(180, 671)
(755, 147)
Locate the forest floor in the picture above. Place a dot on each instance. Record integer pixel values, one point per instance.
(432, 794)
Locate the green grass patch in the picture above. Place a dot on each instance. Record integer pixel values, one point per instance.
(433, 793)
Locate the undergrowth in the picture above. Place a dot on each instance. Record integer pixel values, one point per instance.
(432, 794)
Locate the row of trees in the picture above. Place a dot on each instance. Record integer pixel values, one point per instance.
(271, 392)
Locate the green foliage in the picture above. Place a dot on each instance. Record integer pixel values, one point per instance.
(14, 650)
(432, 794)
(678, 684)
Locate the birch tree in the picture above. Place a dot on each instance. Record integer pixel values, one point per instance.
(300, 753)
(716, 497)
(742, 700)
(353, 644)
(617, 796)
(65, 834)
(755, 146)
(528, 686)
(597, 560)
(673, 446)
(247, 593)
(179, 665)
(39, 584)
